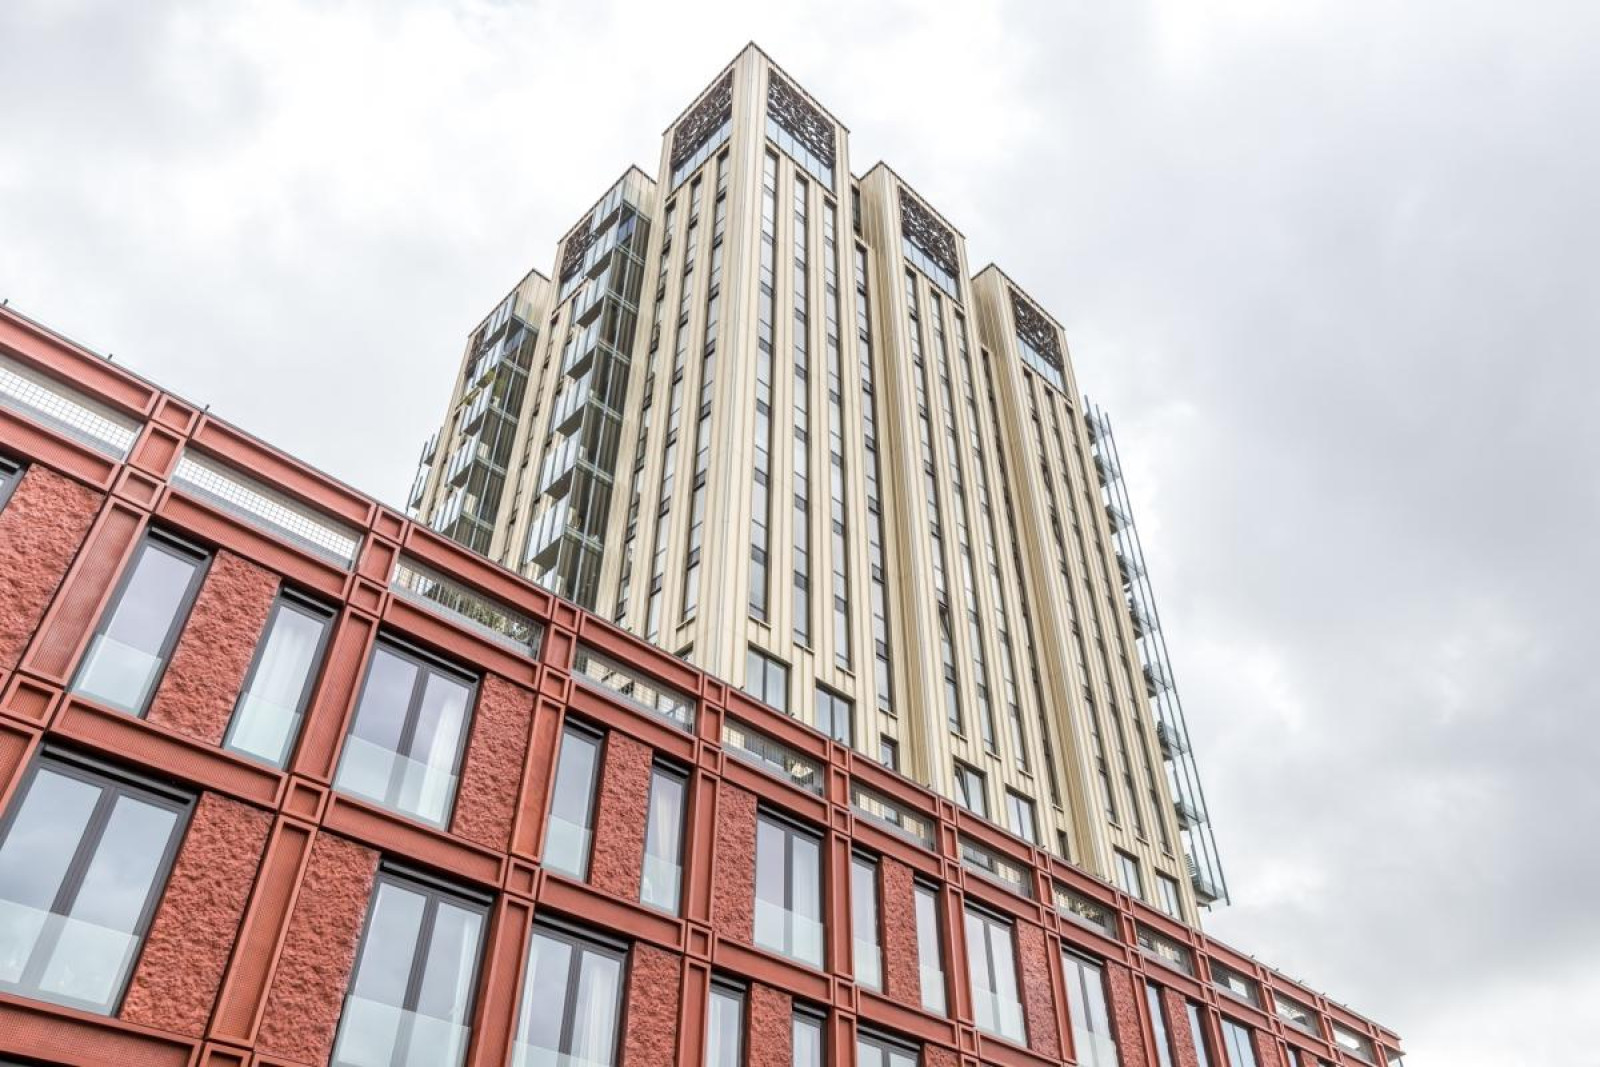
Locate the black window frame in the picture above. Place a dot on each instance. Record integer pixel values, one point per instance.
(114, 783)
(1160, 1027)
(598, 737)
(792, 829)
(887, 1045)
(433, 890)
(812, 1016)
(890, 747)
(1024, 803)
(429, 665)
(962, 771)
(173, 545)
(834, 700)
(292, 600)
(768, 662)
(681, 776)
(1197, 1032)
(580, 941)
(11, 473)
(993, 922)
(919, 888)
(736, 991)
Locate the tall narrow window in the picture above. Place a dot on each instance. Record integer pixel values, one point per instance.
(82, 859)
(930, 952)
(875, 1051)
(405, 742)
(1086, 1006)
(1197, 1031)
(10, 475)
(800, 526)
(761, 472)
(970, 791)
(571, 824)
(725, 1027)
(788, 890)
(833, 716)
(806, 1040)
(1128, 875)
(140, 626)
(992, 970)
(1020, 813)
(410, 999)
(1167, 894)
(766, 679)
(1236, 1045)
(1158, 1025)
(864, 921)
(889, 752)
(266, 720)
(663, 841)
(571, 1000)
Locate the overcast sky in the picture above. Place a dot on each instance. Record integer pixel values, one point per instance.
(1330, 266)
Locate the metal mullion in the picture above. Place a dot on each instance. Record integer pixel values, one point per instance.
(419, 961)
(408, 733)
(569, 1007)
(71, 883)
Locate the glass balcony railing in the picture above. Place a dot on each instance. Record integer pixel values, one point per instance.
(998, 1015)
(88, 965)
(264, 728)
(374, 1034)
(1093, 1049)
(118, 675)
(788, 932)
(367, 770)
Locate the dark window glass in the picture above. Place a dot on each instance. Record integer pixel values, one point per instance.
(571, 1000)
(571, 826)
(1020, 811)
(10, 475)
(1236, 1044)
(1167, 890)
(725, 1028)
(266, 720)
(788, 890)
(410, 999)
(1128, 875)
(140, 626)
(404, 746)
(889, 753)
(663, 841)
(82, 859)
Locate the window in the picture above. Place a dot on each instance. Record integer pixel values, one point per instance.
(1197, 1031)
(788, 890)
(1236, 1045)
(663, 840)
(571, 823)
(1158, 1026)
(875, 1051)
(1086, 1008)
(266, 720)
(833, 716)
(1167, 896)
(410, 999)
(992, 969)
(864, 921)
(767, 680)
(725, 1027)
(1019, 810)
(404, 747)
(807, 1040)
(930, 953)
(82, 859)
(140, 626)
(1356, 1044)
(970, 790)
(10, 475)
(570, 1001)
(889, 752)
(1128, 876)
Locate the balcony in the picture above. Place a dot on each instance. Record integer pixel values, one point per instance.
(1129, 569)
(558, 466)
(1118, 518)
(1144, 623)
(1189, 813)
(1097, 426)
(1172, 743)
(1156, 679)
(430, 448)
(1206, 888)
(1106, 468)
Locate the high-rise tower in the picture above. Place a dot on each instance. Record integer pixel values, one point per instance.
(766, 417)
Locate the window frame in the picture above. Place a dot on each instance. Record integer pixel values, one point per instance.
(868, 864)
(173, 545)
(767, 661)
(835, 701)
(1160, 1026)
(433, 891)
(1230, 1028)
(921, 889)
(1126, 863)
(739, 995)
(659, 768)
(1015, 802)
(993, 925)
(429, 665)
(962, 771)
(292, 600)
(1167, 892)
(887, 1045)
(792, 829)
(805, 1015)
(572, 726)
(1109, 1035)
(11, 474)
(891, 747)
(1197, 1033)
(579, 941)
(114, 783)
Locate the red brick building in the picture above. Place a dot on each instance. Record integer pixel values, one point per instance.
(288, 779)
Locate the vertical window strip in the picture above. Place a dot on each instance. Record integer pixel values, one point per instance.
(801, 352)
(838, 515)
(883, 680)
(702, 433)
(761, 475)
(669, 451)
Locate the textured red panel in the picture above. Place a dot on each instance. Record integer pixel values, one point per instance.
(902, 976)
(487, 799)
(319, 952)
(1125, 1025)
(650, 1028)
(1178, 1029)
(41, 528)
(624, 802)
(939, 1057)
(733, 888)
(192, 935)
(769, 1028)
(1266, 1050)
(212, 657)
(1038, 1002)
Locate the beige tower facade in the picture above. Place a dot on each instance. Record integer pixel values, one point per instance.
(768, 419)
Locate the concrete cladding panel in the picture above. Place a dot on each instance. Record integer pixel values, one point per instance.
(319, 951)
(208, 668)
(1178, 1029)
(41, 528)
(192, 935)
(1125, 1024)
(486, 803)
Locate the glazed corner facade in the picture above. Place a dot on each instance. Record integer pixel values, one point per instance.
(246, 955)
